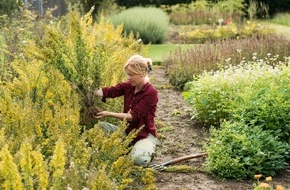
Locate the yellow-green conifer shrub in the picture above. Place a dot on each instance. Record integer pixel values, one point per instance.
(110, 154)
(26, 165)
(34, 170)
(40, 170)
(38, 105)
(2, 137)
(9, 175)
(57, 165)
(41, 144)
(88, 54)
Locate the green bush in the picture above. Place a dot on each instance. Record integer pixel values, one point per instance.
(150, 24)
(253, 91)
(240, 151)
(228, 31)
(266, 102)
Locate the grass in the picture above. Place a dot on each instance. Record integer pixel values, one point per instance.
(159, 52)
(282, 18)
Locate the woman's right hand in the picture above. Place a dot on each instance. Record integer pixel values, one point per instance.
(98, 92)
(102, 114)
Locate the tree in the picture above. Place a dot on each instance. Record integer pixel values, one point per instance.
(8, 6)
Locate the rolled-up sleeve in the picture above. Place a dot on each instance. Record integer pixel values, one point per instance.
(114, 91)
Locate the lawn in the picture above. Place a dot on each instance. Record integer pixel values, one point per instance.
(159, 52)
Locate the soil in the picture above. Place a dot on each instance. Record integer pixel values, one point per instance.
(179, 135)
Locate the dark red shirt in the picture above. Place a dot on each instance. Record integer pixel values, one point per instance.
(143, 106)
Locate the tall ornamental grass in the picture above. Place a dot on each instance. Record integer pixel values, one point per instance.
(150, 24)
(181, 66)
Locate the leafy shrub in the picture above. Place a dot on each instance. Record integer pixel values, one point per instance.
(254, 96)
(266, 102)
(239, 151)
(231, 93)
(151, 24)
(210, 56)
(227, 31)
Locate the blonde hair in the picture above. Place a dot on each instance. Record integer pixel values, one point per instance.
(139, 65)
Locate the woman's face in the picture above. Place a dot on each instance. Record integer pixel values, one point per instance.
(135, 79)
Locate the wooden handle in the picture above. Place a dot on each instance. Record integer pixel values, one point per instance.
(176, 160)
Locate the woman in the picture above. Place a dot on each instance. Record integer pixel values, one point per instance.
(140, 104)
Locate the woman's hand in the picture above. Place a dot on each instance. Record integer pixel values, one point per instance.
(121, 116)
(102, 114)
(98, 92)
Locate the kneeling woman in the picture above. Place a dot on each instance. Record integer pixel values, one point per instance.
(140, 104)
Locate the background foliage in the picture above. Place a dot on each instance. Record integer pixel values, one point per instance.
(150, 24)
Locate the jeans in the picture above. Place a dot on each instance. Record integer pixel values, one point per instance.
(143, 150)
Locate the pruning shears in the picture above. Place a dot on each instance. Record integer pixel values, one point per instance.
(161, 167)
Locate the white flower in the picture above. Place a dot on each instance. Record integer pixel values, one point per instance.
(228, 59)
(72, 164)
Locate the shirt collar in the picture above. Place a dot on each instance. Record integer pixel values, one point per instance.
(144, 88)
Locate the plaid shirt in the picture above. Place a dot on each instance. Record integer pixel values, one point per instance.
(141, 105)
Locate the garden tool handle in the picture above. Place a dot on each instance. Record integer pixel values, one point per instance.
(176, 160)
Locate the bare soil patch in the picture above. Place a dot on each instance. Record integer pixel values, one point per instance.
(179, 136)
